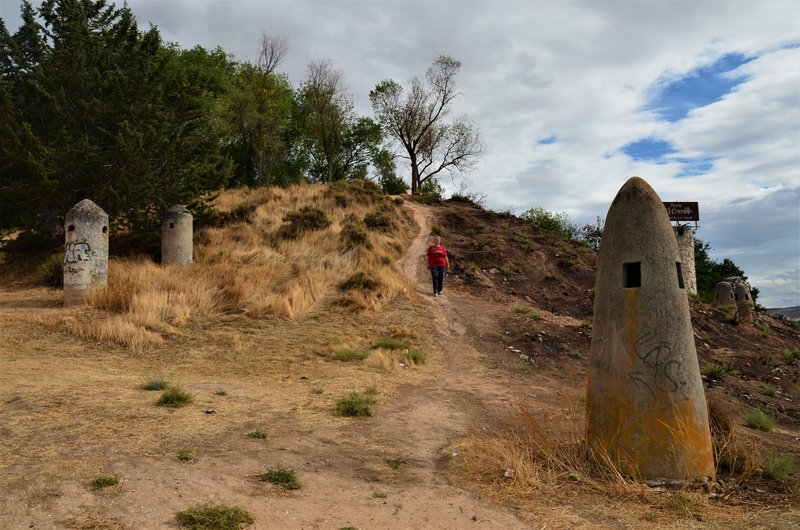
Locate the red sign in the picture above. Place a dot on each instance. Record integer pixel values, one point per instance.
(682, 211)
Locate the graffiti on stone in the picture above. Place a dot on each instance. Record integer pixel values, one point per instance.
(77, 252)
(662, 371)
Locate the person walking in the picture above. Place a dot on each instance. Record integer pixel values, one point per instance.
(437, 263)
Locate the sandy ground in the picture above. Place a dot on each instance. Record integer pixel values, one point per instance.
(341, 466)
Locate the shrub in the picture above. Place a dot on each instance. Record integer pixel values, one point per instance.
(154, 383)
(378, 221)
(355, 236)
(417, 357)
(304, 220)
(769, 390)
(349, 355)
(52, 271)
(174, 397)
(389, 344)
(360, 281)
(791, 356)
(214, 517)
(394, 463)
(473, 199)
(717, 371)
(437, 230)
(257, 435)
(355, 404)
(777, 467)
(281, 476)
(758, 419)
(185, 455)
(557, 224)
(505, 271)
(104, 481)
(525, 243)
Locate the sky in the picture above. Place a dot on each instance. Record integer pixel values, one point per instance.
(699, 98)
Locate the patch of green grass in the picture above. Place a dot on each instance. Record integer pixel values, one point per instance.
(220, 393)
(766, 331)
(437, 230)
(355, 404)
(101, 482)
(185, 455)
(154, 383)
(525, 243)
(472, 266)
(522, 310)
(719, 371)
(470, 232)
(281, 476)
(257, 435)
(551, 277)
(347, 356)
(769, 390)
(505, 271)
(371, 390)
(586, 325)
(777, 467)
(416, 357)
(317, 390)
(174, 397)
(760, 420)
(214, 517)
(576, 354)
(379, 495)
(394, 463)
(791, 356)
(389, 344)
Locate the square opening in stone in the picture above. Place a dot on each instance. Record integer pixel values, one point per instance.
(632, 275)
(680, 274)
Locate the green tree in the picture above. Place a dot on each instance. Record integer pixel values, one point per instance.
(104, 111)
(710, 272)
(416, 120)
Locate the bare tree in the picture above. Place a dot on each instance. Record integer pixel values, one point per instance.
(417, 121)
(328, 106)
(272, 51)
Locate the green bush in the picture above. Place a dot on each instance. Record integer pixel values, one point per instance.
(378, 222)
(355, 404)
(355, 236)
(777, 467)
(304, 220)
(719, 371)
(104, 481)
(417, 357)
(52, 271)
(389, 344)
(557, 224)
(349, 355)
(154, 383)
(174, 397)
(791, 356)
(257, 435)
(214, 517)
(185, 455)
(758, 419)
(283, 477)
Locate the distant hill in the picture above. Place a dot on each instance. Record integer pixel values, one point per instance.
(789, 312)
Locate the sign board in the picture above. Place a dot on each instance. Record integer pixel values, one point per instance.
(682, 211)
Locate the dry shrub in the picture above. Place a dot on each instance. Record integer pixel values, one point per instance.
(382, 359)
(543, 459)
(241, 268)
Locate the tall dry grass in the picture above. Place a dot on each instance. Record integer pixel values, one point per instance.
(244, 265)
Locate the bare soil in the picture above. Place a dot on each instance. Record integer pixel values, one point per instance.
(71, 409)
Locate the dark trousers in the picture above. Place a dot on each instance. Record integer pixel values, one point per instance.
(437, 274)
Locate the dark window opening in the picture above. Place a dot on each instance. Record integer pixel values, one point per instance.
(105, 229)
(71, 228)
(172, 225)
(747, 296)
(680, 230)
(631, 275)
(680, 274)
(735, 296)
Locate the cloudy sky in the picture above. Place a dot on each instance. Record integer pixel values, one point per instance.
(702, 99)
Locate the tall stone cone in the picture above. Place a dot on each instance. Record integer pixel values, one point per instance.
(645, 403)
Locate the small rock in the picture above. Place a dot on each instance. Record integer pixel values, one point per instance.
(508, 473)
(210, 411)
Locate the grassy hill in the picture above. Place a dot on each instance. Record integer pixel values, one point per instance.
(308, 304)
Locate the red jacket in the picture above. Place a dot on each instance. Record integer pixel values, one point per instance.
(437, 256)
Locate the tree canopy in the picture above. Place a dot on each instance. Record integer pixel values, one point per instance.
(95, 108)
(416, 119)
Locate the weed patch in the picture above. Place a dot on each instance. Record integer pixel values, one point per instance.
(389, 344)
(394, 463)
(416, 357)
(719, 371)
(759, 420)
(174, 397)
(355, 404)
(102, 482)
(281, 476)
(257, 435)
(776, 467)
(301, 221)
(791, 356)
(185, 455)
(214, 517)
(155, 383)
(347, 356)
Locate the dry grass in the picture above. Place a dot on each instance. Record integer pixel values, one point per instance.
(245, 267)
(544, 467)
